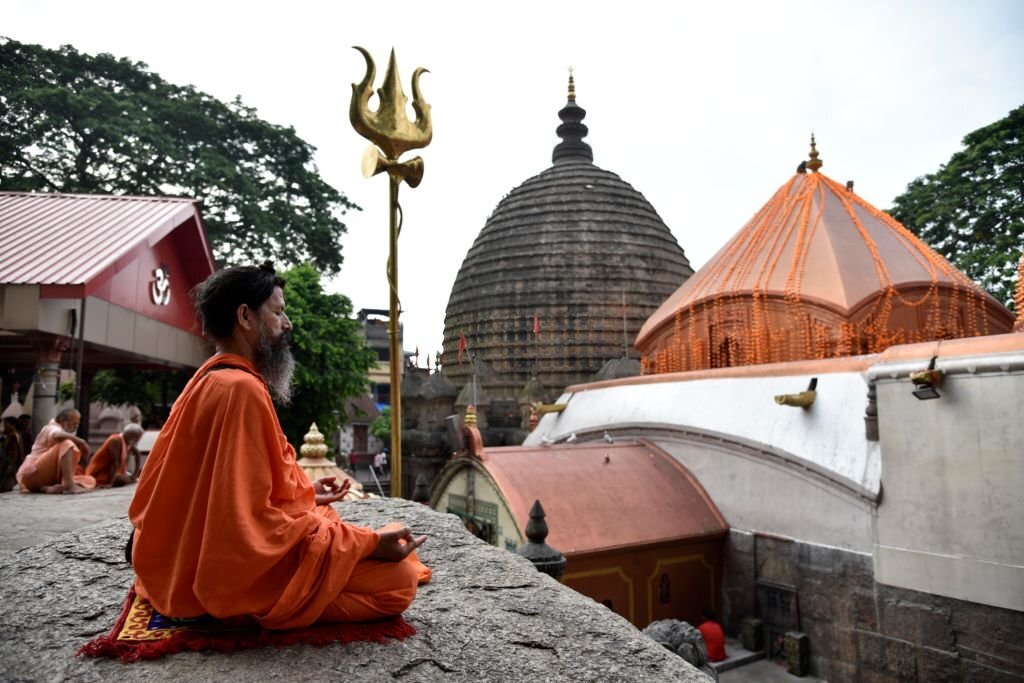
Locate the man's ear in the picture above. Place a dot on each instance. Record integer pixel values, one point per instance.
(244, 317)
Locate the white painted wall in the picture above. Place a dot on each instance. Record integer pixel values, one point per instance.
(806, 474)
(952, 516)
(759, 494)
(828, 437)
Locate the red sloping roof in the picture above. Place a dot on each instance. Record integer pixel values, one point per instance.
(640, 495)
(71, 239)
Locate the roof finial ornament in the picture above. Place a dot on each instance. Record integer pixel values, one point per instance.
(572, 130)
(815, 163)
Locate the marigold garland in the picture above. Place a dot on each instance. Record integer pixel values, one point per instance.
(1018, 297)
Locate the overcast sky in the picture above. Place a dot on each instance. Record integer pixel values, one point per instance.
(705, 108)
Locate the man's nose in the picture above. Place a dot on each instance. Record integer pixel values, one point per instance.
(287, 322)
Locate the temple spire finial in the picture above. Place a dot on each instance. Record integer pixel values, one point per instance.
(572, 130)
(815, 163)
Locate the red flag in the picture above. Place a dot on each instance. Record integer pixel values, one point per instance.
(536, 324)
(462, 345)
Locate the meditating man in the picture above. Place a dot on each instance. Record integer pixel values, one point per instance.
(53, 465)
(109, 464)
(226, 523)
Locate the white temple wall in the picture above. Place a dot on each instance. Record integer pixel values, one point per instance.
(763, 495)
(808, 474)
(828, 437)
(951, 520)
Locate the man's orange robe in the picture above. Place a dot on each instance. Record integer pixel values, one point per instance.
(226, 522)
(99, 464)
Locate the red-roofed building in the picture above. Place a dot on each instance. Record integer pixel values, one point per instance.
(638, 531)
(95, 282)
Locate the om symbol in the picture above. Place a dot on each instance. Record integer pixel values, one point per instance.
(160, 288)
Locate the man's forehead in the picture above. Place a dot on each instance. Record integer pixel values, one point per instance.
(276, 297)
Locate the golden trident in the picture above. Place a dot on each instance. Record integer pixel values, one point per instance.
(392, 135)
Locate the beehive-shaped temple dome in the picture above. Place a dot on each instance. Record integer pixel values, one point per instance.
(818, 272)
(564, 254)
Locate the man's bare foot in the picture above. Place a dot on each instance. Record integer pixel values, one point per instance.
(56, 488)
(75, 488)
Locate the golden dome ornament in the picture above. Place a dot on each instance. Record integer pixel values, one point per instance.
(313, 445)
(315, 464)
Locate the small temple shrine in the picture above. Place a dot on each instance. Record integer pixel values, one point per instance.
(817, 273)
(638, 532)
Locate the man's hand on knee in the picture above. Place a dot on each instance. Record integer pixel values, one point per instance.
(396, 544)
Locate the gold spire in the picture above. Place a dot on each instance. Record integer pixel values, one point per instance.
(314, 446)
(815, 163)
(572, 86)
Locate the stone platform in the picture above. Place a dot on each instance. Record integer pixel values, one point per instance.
(486, 615)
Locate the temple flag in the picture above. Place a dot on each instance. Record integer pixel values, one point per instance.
(462, 345)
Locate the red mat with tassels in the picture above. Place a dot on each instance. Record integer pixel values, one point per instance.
(143, 633)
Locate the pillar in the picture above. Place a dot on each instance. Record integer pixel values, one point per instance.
(45, 386)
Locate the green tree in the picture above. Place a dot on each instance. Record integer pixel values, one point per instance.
(73, 122)
(331, 358)
(972, 209)
(152, 391)
(381, 426)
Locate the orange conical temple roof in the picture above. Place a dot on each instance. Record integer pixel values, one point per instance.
(817, 272)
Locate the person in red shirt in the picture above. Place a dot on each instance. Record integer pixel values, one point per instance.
(714, 637)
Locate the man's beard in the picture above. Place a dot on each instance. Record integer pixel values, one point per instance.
(275, 362)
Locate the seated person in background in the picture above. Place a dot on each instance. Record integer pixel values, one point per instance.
(226, 522)
(714, 636)
(25, 428)
(13, 455)
(53, 464)
(109, 464)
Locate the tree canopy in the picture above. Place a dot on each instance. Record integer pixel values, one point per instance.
(72, 122)
(331, 357)
(152, 391)
(972, 209)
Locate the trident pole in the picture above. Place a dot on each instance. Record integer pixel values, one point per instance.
(394, 343)
(392, 133)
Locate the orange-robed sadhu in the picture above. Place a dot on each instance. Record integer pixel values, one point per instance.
(114, 448)
(226, 522)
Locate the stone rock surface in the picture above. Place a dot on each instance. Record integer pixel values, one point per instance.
(487, 615)
(682, 639)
